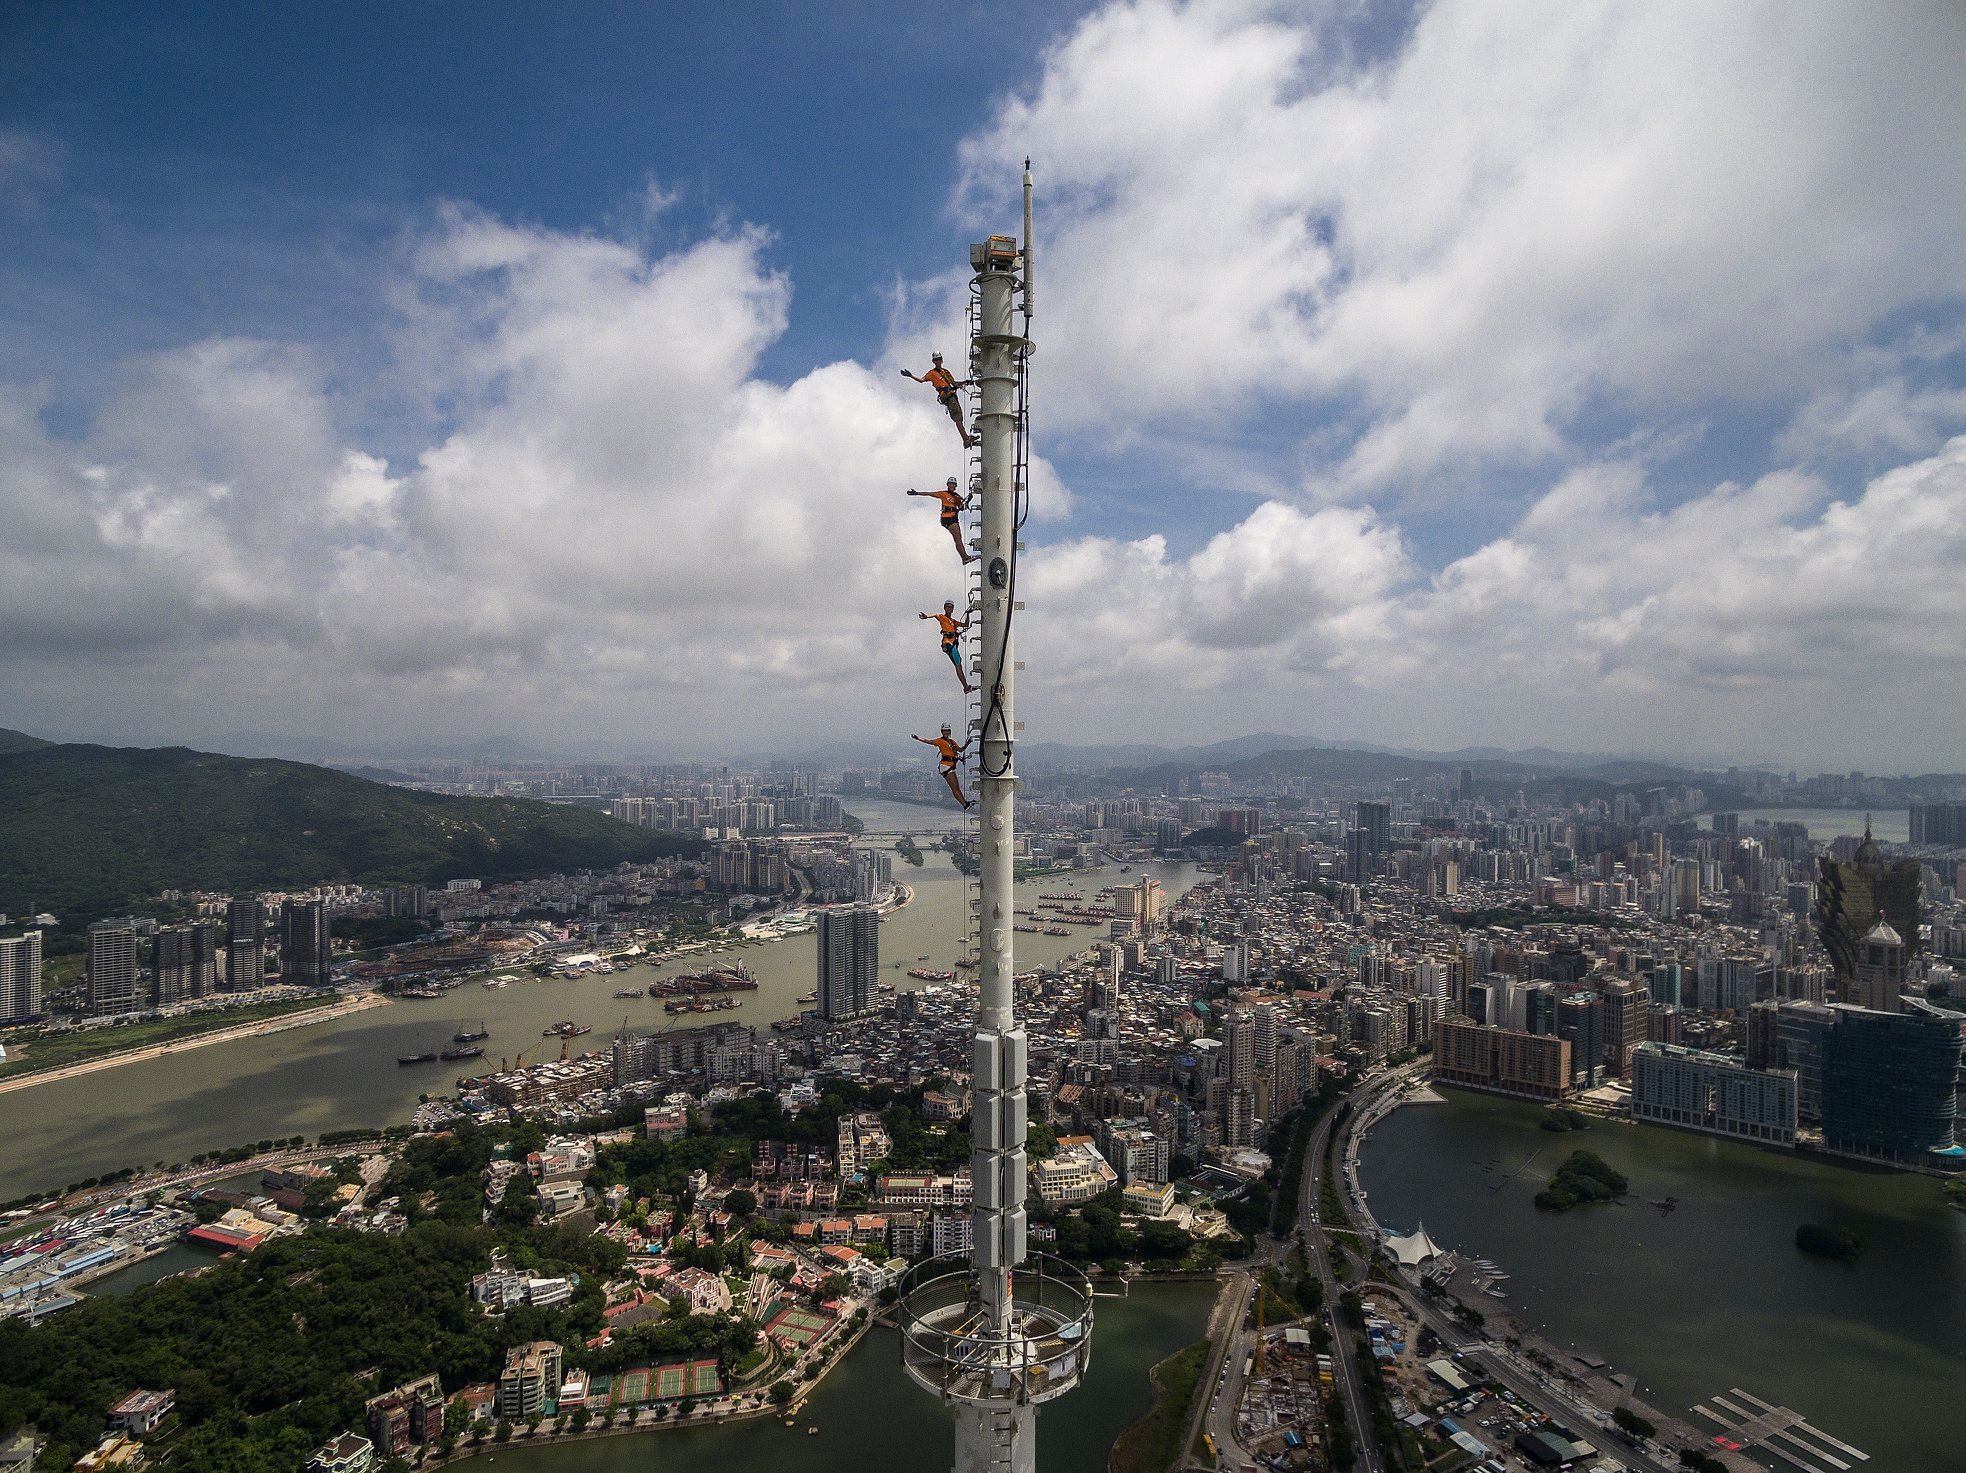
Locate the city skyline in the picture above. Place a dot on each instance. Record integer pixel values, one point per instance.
(1627, 419)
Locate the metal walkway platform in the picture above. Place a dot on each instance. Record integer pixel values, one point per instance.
(1779, 1431)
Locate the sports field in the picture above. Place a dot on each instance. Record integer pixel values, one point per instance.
(796, 1327)
(669, 1382)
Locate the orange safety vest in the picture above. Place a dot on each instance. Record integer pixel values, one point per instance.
(948, 748)
(951, 630)
(941, 380)
(952, 504)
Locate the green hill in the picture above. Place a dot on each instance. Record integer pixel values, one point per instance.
(87, 831)
(19, 741)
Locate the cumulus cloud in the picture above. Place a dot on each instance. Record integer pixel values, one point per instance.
(620, 523)
(615, 527)
(1768, 616)
(1525, 214)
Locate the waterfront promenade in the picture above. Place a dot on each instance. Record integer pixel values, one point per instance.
(1544, 1375)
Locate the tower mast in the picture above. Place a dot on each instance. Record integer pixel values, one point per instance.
(1004, 1332)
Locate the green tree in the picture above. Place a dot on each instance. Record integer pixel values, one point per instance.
(741, 1202)
(1633, 1423)
(781, 1392)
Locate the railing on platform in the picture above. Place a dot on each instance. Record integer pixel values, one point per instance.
(948, 1349)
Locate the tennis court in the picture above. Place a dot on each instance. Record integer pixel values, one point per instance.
(687, 1378)
(631, 1387)
(796, 1327)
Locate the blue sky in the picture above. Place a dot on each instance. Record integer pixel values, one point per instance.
(237, 169)
(1420, 374)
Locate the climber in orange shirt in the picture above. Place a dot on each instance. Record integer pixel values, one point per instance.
(939, 379)
(952, 639)
(954, 504)
(951, 754)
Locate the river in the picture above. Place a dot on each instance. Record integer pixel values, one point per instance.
(870, 1416)
(1888, 825)
(1713, 1295)
(343, 1073)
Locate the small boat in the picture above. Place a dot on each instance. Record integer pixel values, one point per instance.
(629, 992)
(468, 1051)
(808, 997)
(565, 1030)
(467, 1035)
(429, 1058)
(492, 984)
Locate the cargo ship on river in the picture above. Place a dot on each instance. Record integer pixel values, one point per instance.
(715, 1002)
(696, 984)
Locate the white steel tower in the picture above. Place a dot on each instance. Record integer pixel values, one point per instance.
(1006, 1331)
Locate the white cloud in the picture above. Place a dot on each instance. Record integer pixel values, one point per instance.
(1528, 212)
(1281, 594)
(1887, 418)
(620, 530)
(623, 527)
(1765, 617)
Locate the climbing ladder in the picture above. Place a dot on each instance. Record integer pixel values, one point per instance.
(972, 652)
(973, 588)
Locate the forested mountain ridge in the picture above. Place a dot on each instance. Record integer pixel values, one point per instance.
(88, 830)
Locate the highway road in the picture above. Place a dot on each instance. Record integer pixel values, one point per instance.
(1371, 1457)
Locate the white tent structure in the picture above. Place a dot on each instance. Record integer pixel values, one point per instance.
(1415, 1248)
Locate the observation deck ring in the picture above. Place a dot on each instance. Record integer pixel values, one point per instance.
(948, 1351)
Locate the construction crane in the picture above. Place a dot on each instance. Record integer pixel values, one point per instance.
(518, 1061)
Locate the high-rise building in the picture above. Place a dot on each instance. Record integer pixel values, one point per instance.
(849, 958)
(1879, 981)
(531, 1379)
(1369, 841)
(1580, 1022)
(112, 968)
(1685, 887)
(1239, 1117)
(184, 962)
(1709, 1092)
(1501, 1060)
(306, 946)
(1624, 1022)
(20, 977)
(1890, 1082)
(1239, 1050)
(1939, 824)
(1851, 898)
(1801, 1035)
(1141, 904)
(245, 946)
(1235, 963)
